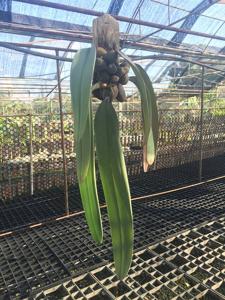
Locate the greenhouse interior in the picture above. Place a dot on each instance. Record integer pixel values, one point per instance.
(112, 149)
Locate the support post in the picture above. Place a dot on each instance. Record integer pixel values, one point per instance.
(31, 155)
(156, 152)
(201, 125)
(155, 162)
(62, 137)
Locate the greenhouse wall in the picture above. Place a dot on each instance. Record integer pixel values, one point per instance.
(31, 155)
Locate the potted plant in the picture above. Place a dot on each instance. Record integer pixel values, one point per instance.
(102, 71)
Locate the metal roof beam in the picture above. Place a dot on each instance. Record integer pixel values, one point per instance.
(120, 18)
(6, 5)
(41, 22)
(115, 6)
(191, 19)
(70, 36)
(19, 49)
(24, 61)
(188, 24)
(43, 47)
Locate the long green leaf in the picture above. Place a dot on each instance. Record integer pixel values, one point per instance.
(149, 111)
(153, 104)
(80, 81)
(115, 186)
(146, 100)
(80, 84)
(88, 191)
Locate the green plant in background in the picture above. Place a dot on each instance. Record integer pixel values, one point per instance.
(213, 104)
(102, 71)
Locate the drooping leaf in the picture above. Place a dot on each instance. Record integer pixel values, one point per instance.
(149, 112)
(80, 82)
(88, 190)
(115, 186)
(149, 147)
(153, 105)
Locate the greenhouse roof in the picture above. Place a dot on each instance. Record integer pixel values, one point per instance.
(167, 31)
